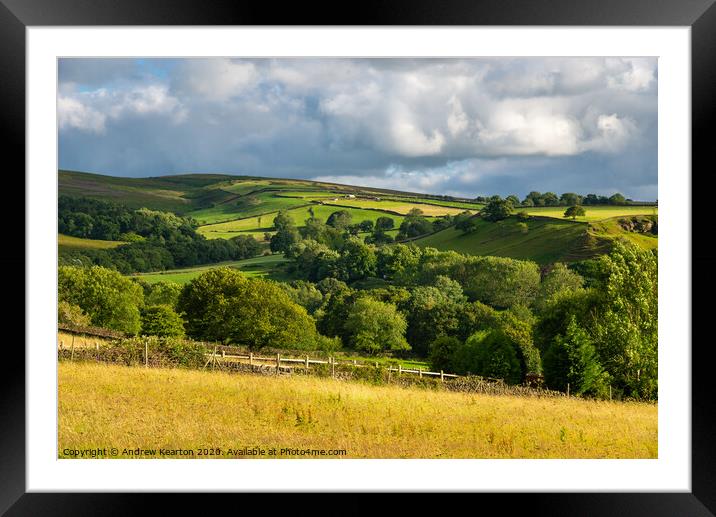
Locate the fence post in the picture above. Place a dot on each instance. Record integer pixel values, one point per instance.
(146, 353)
(72, 349)
(96, 348)
(251, 358)
(420, 373)
(355, 362)
(567, 389)
(442, 376)
(213, 358)
(278, 362)
(333, 367)
(400, 369)
(610, 392)
(306, 364)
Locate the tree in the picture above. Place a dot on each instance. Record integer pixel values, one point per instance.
(357, 261)
(467, 225)
(513, 200)
(560, 278)
(283, 221)
(109, 299)
(366, 226)
(550, 199)
(575, 211)
(617, 199)
(223, 305)
(572, 359)
(283, 239)
(161, 320)
(399, 262)
(376, 327)
(384, 223)
(414, 224)
(496, 210)
(498, 281)
(570, 199)
(488, 354)
(441, 353)
(73, 315)
(340, 219)
(162, 293)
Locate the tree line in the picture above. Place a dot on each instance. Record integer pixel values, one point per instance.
(592, 324)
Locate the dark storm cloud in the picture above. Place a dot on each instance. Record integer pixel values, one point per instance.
(459, 126)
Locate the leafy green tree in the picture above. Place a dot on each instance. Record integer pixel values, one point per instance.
(303, 293)
(550, 199)
(109, 299)
(488, 354)
(223, 305)
(357, 261)
(340, 219)
(572, 359)
(384, 223)
(513, 200)
(376, 327)
(617, 199)
(570, 199)
(498, 281)
(442, 351)
(366, 226)
(522, 216)
(535, 197)
(283, 221)
(162, 293)
(496, 210)
(575, 211)
(625, 322)
(467, 225)
(559, 278)
(73, 315)
(283, 239)
(161, 320)
(399, 262)
(414, 224)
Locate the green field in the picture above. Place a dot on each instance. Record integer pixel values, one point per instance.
(545, 240)
(245, 206)
(264, 266)
(594, 213)
(400, 207)
(254, 226)
(67, 242)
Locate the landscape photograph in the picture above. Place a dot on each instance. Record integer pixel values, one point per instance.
(357, 258)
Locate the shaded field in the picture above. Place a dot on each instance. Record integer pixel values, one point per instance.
(246, 206)
(264, 266)
(258, 225)
(593, 213)
(545, 241)
(68, 242)
(188, 409)
(401, 207)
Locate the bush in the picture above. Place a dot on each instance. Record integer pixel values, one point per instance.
(441, 353)
(70, 314)
(161, 320)
(375, 327)
(489, 354)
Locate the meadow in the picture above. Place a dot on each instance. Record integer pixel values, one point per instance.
(593, 213)
(259, 225)
(69, 242)
(109, 406)
(263, 266)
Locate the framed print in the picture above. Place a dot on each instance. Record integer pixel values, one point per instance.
(388, 253)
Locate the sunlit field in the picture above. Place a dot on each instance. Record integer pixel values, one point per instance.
(128, 407)
(593, 213)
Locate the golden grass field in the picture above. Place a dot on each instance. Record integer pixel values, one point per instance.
(109, 406)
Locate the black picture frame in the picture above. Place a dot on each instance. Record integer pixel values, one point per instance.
(700, 15)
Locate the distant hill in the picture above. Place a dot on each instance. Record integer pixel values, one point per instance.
(544, 239)
(226, 206)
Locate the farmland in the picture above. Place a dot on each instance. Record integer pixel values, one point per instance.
(593, 213)
(253, 267)
(68, 242)
(175, 408)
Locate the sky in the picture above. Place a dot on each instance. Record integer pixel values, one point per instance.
(463, 127)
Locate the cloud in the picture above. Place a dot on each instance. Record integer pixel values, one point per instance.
(431, 123)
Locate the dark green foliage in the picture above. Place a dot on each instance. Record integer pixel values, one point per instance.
(161, 320)
(357, 261)
(283, 239)
(384, 223)
(413, 225)
(488, 354)
(573, 359)
(442, 351)
(467, 224)
(340, 219)
(575, 211)
(617, 199)
(496, 210)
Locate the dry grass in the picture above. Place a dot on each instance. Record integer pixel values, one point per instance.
(114, 406)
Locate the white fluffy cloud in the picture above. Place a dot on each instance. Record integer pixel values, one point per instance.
(359, 117)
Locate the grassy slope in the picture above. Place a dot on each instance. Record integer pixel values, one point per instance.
(545, 241)
(593, 213)
(264, 266)
(67, 242)
(252, 225)
(175, 408)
